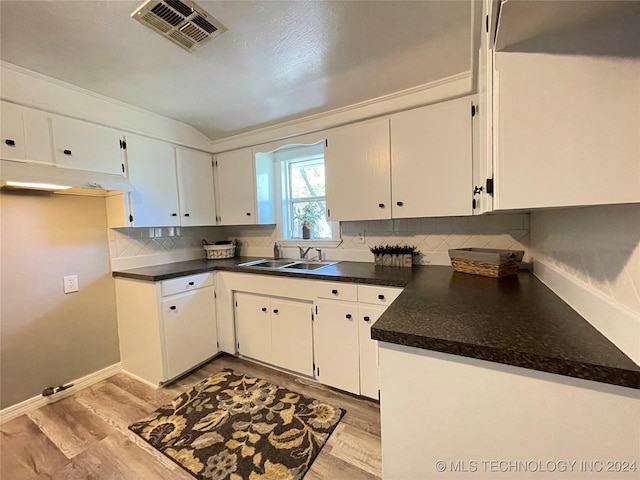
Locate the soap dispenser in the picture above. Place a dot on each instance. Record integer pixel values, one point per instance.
(276, 251)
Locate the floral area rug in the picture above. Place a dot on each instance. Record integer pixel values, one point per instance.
(233, 426)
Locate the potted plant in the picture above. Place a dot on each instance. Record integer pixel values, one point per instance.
(395, 255)
(308, 216)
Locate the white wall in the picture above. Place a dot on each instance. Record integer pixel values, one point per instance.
(591, 258)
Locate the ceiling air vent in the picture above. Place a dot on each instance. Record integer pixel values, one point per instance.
(181, 21)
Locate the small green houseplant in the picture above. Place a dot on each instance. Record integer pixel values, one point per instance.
(395, 255)
(308, 216)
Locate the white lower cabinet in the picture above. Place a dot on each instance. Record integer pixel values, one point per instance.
(275, 331)
(166, 328)
(368, 350)
(345, 355)
(335, 336)
(188, 329)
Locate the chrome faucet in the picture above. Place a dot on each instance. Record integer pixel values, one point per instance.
(304, 251)
(319, 250)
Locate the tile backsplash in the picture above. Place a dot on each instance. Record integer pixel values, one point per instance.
(433, 237)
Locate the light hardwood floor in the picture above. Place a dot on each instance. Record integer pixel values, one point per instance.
(85, 436)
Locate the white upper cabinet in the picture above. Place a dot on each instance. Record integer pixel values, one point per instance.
(152, 172)
(25, 134)
(431, 160)
(235, 184)
(357, 163)
(195, 188)
(13, 144)
(85, 146)
(568, 130)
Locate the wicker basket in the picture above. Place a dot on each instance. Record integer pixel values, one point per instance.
(487, 262)
(216, 252)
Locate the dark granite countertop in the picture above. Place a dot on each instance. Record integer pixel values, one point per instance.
(514, 320)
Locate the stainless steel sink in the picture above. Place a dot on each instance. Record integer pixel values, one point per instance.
(292, 265)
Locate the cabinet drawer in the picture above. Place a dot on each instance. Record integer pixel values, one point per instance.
(338, 291)
(377, 295)
(184, 284)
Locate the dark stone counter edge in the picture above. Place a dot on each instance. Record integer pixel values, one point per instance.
(261, 271)
(559, 366)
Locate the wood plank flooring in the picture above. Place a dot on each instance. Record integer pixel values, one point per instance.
(85, 436)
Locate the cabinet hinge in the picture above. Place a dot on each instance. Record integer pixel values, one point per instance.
(473, 110)
(238, 345)
(122, 167)
(215, 295)
(489, 188)
(312, 318)
(217, 344)
(123, 144)
(316, 309)
(215, 163)
(326, 142)
(318, 371)
(131, 218)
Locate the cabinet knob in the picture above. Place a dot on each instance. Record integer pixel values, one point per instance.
(400, 204)
(381, 205)
(248, 214)
(381, 297)
(192, 283)
(67, 152)
(174, 214)
(187, 215)
(335, 292)
(10, 142)
(367, 318)
(172, 307)
(275, 311)
(264, 309)
(348, 315)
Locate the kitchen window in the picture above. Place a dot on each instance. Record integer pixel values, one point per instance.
(300, 190)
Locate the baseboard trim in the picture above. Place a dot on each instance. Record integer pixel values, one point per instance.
(620, 325)
(38, 401)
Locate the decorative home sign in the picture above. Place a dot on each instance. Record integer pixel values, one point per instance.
(394, 256)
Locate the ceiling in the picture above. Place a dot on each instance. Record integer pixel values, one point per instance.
(278, 61)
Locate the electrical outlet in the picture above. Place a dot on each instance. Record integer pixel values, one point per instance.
(70, 283)
(359, 237)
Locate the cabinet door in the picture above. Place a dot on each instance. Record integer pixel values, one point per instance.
(573, 142)
(195, 188)
(236, 188)
(37, 138)
(357, 171)
(291, 336)
(369, 382)
(253, 326)
(335, 341)
(431, 160)
(12, 132)
(189, 325)
(152, 173)
(85, 146)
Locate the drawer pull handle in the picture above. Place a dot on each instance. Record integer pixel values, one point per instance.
(348, 315)
(264, 309)
(380, 297)
(10, 142)
(174, 214)
(248, 214)
(187, 215)
(335, 292)
(67, 152)
(172, 307)
(400, 204)
(367, 319)
(192, 283)
(381, 205)
(275, 311)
